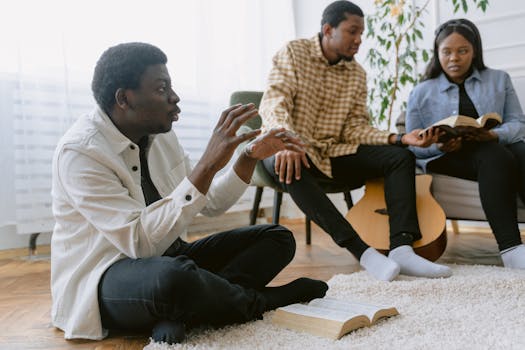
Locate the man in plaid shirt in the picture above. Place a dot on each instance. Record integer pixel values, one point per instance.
(318, 91)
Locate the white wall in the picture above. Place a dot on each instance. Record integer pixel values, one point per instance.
(308, 18)
(501, 29)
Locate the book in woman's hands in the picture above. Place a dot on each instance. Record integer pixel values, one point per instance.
(456, 125)
(331, 318)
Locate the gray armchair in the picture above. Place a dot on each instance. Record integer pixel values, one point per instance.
(262, 179)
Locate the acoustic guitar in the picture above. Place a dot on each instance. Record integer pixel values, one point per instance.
(369, 217)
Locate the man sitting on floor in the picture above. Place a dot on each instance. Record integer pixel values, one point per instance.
(123, 195)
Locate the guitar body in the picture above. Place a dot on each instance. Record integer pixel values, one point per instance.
(370, 219)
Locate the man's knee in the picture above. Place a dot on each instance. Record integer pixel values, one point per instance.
(173, 276)
(269, 166)
(405, 154)
(404, 157)
(284, 237)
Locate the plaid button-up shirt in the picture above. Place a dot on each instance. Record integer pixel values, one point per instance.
(324, 104)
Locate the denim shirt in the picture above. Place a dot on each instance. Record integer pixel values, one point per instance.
(490, 91)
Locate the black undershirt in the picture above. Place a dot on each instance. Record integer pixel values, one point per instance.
(466, 107)
(151, 194)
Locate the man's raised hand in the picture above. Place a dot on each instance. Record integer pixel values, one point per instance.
(224, 140)
(273, 141)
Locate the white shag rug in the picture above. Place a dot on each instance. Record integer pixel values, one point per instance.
(479, 307)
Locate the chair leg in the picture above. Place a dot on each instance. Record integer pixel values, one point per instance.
(32, 243)
(277, 200)
(348, 199)
(308, 228)
(256, 203)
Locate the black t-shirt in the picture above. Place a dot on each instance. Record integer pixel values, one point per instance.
(151, 194)
(466, 107)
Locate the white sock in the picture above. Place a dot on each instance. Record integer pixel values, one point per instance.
(413, 265)
(378, 265)
(514, 257)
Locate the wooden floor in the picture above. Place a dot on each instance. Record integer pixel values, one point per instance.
(25, 299)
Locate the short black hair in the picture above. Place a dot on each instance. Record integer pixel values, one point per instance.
(338, 11)
(466, 29)
(122, 66)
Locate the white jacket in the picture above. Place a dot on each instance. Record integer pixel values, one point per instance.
(101, 216)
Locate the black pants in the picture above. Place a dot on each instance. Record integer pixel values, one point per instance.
(500, 173)
(395, 164)
(213, 281)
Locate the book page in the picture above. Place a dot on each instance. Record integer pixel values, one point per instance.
(489, 120)
(458, 120)
(349, 307)
(330, 317)
(319, 312)
(447, 125)
(450, 121)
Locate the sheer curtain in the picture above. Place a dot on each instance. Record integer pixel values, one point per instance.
(51, 47)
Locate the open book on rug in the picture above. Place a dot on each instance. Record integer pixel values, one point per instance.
(453, 126)
(331, 318)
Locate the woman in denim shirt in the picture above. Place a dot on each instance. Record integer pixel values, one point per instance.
(458, 82)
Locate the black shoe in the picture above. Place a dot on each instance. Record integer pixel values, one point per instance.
(170, 332)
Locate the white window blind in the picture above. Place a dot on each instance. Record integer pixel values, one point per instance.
(40, 113)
